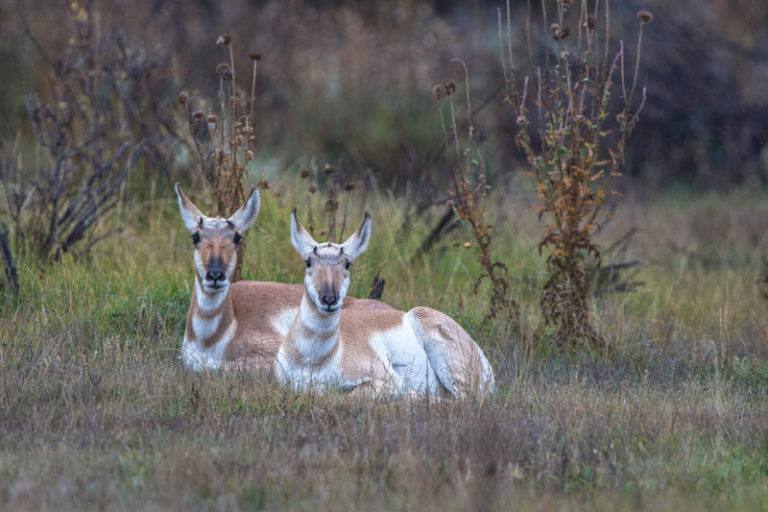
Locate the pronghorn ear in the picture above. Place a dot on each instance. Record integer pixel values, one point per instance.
(358, 242)
(301, 240)
(244, 217)
(189, 212)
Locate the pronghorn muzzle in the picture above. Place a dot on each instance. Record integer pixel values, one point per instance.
(215, 273)
(329, 296)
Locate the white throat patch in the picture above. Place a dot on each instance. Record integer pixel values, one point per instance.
(209, 302)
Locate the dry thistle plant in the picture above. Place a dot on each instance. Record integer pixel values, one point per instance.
(581, 127)
(468, 201)
(224, 141)
(328, 210)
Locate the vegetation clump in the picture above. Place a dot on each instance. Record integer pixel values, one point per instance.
(575, 114)
(469, 202)
(225, 142)
(102, 108)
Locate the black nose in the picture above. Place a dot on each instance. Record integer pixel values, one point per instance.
(330, 300)
(215, 275)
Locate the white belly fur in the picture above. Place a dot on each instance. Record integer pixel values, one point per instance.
(403, 353)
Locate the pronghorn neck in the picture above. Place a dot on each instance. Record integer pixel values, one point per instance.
(314, 334)
(211, 303)
(210, 314)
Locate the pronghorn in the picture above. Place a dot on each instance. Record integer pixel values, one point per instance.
(422, 351)
(238, 325)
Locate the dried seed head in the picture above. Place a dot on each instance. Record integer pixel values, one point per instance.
(303, 173)
(644, 16)
(223, 39)
(224, 71)
(212, 119)
(443, 90)
(252, 138)
(554, 27)
(348, 187)
(591, 22)
(331, 205)
(255, 56)
(182, 98)
(312, 188)
(439, 92)
(561, 34)
(198, 116)
(234, 100)
(239, 140)
(328, 169)
(249, 155)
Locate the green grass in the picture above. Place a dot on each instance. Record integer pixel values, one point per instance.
(97, 412)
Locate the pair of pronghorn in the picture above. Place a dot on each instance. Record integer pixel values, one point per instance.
(366, 346)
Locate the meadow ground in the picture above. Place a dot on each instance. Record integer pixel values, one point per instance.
(97, 412)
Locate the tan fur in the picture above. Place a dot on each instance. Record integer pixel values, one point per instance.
(251, 305)
(422, 350)
(360, 360)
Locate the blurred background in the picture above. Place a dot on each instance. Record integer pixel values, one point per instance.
(349, 83)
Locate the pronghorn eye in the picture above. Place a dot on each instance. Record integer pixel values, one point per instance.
(308, 262)
(195, 238)
(349, 264)
(238, 237)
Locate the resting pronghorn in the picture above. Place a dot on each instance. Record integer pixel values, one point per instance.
(386, 351)
(239, 324)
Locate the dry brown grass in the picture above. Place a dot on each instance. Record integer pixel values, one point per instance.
(131, 432)
(98, 412)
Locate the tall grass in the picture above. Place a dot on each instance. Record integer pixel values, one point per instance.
(98, 412)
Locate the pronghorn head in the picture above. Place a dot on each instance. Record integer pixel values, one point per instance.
(216, 239)
(327, 275)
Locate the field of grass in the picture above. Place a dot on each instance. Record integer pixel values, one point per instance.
(96, 410)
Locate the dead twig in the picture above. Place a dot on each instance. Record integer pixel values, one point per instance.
(5, 250)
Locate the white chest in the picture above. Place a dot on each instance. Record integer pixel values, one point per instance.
(197, 357)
